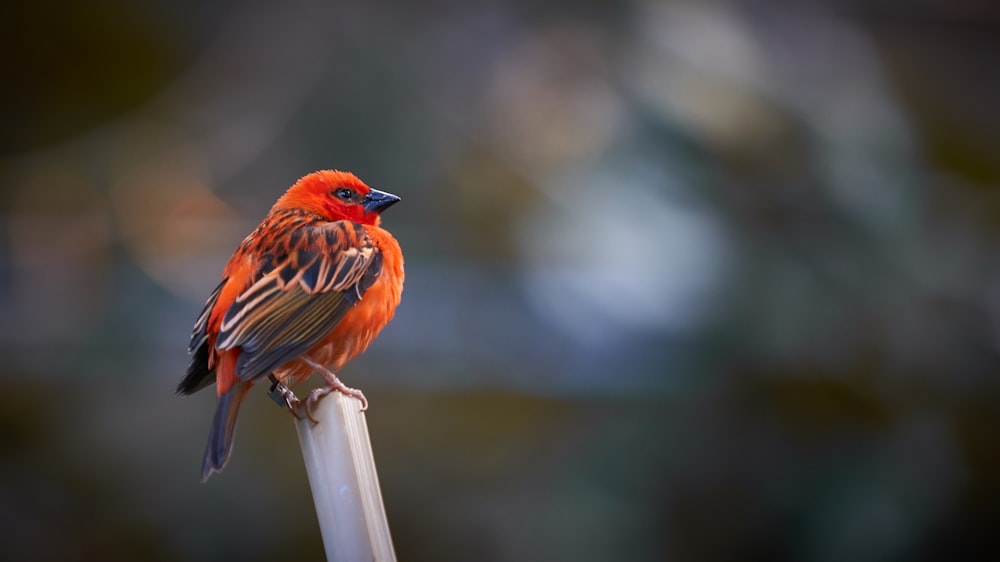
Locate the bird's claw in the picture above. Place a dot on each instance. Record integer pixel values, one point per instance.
(313, 398)
(317, 393)
(332, 383)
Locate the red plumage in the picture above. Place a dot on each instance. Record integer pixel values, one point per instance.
(306, 291)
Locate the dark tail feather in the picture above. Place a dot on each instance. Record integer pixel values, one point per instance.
(220, 439)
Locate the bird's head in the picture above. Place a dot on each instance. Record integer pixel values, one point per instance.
(336, 196)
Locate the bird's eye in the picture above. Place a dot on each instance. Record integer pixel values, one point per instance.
(344, 194)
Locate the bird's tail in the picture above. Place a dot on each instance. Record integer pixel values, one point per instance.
(220, 439)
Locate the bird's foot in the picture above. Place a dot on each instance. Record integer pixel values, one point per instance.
(332, 383)
(318, 393)
(284, 397)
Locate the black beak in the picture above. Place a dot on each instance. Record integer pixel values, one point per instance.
(377, 201)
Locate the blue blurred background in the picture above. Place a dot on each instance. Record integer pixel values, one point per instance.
(685, 280)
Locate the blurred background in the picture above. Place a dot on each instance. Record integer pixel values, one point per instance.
(685, 280)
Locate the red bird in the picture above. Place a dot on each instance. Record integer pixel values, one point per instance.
(306, 292)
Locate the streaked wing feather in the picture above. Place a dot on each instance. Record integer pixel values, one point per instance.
(295, 304)
(304, 328)
(198, 374)
(200, 333)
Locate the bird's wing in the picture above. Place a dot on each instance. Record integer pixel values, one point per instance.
(200, 333)
(199, 375)
(298, 297)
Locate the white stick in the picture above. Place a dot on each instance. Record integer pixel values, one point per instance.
(341, 469)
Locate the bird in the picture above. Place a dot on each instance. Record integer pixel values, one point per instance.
(307, 291)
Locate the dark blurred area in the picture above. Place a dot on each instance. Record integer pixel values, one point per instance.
(685, 280)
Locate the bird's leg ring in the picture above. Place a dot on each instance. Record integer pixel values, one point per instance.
(283, 396)
(332, 383)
